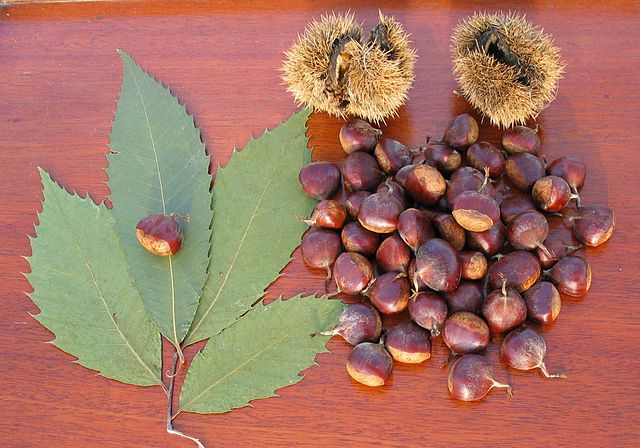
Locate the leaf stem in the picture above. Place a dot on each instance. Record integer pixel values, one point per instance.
(172, 379)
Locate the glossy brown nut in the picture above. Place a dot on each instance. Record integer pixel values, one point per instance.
(572, 276)
(160, 234)
(461, 132)
(392, 155)
(543, 302)
(570, 169)
(360, 171)
(475, 211)
(328, 214)
(465, 332)
(393, 255)
(379, 212)
(352, 273)
(389, 293)
(594, 225)
(514, 204)
(370, 364)
(408, 343)
(525, 349)
(466, 297)
(528, 230)
(449, 230)
(502, 311)
(442, 156)
(519, 269)
(394, 189)
(463, 179)
(558, 244)
(320, 247)
(523, 170)
(425, 184)
(489, 242)
(483, 156)
(438, 265)
(471, 378)
(357, 135)
(473, 265)
(356, 238)
(428, 310)
(320, 180)
(551, 193)
(402, 174)
(521, 139)
(415, 281)
(359, 322)
(414, 228)
(354, 201)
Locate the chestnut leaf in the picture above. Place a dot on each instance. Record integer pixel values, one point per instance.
(157, 165)
(255, 227)
(263, 351)
(85, 293)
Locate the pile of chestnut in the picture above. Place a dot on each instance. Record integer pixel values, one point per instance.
(457, 233)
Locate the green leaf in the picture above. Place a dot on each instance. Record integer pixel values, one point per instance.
(262, 352)
(158, 165)
(255, 226)
(85, 293)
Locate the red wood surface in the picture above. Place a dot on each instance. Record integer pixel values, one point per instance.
(60, 82)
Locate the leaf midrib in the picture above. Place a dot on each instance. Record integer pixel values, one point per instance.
(196, 325)
(277, 341)
(104, 302)
(164, 208)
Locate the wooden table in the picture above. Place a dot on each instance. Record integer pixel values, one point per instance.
(60, 81)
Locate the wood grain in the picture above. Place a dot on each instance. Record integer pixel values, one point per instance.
(61, 78)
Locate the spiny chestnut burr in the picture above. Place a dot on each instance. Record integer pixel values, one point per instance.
(370, 364)
(392, 155)
(160, 234)
(594, 225)
(521, 139)
(519, 269)
(389, 293)
(466, 297)
(393, 255)
(465, 332)
(552, 193)
(438, 265)
(528, 231)
(514, 204)
(329, 214)
(473, 265)
(379, 212)
(471, 378)
(360, 171)
(490, 241)
(503, 310)
(425, 184)
(461, 132)
(320, 248)
(475, 211)
(356, 238)
(352, 273)
(442, 156)
(449, 230)
(358, 323)
(357, 135)
(572, 276)
(570, 169)
(485, 157)
(320, 180)
(525, 349)
(428, 310)
(408, 343)
(354, 201)
(557, 245)
(523, 170)
(414, 228)
(543, 302)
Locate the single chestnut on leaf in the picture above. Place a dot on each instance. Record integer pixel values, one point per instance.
(160, 234)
